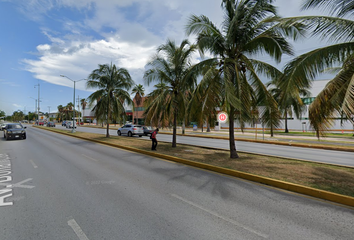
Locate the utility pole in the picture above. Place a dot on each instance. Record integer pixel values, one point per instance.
(78, 107)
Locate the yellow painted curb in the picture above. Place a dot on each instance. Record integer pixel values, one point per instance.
(333, 197)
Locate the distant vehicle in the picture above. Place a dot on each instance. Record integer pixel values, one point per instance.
(41, 124)
(69, 124)
(148, 130)
(131, 130)
(50, 124)
(63, 123)
(14, 131)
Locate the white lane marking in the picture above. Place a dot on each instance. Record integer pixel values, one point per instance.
(89, 157)
(221, 217)
(33, 164)
(77, 229)
(19, 184)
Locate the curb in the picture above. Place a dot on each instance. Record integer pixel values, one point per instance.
(321, 194)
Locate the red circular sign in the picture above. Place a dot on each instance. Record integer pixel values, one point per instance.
(222, 117)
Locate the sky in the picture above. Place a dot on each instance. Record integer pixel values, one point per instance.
(43, 39)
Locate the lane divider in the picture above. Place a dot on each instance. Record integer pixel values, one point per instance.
(313, 192)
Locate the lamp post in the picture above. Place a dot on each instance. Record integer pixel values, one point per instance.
(38, 99)
(73, 130)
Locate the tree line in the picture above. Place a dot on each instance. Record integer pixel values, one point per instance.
(229, 75)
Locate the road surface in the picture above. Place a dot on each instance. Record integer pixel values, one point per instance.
(57, 187)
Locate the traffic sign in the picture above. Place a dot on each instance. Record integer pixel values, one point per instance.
(222, 117)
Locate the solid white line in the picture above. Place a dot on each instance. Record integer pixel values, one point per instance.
(33, 164)
(78, 231)
(89, 157)
(221, 217)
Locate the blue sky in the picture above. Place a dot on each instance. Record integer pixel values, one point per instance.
(42, 39)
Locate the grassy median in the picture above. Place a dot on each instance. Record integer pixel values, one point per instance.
(320, 176)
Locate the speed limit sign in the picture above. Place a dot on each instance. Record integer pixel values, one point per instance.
(222, 117)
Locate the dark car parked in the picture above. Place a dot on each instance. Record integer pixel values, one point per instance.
(50, 124)
(14, 131)
(63, 123)
(148, 130)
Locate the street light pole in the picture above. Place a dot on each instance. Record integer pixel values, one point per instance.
(73, 130)
(38, 100)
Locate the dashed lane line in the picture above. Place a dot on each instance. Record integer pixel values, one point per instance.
(77, 229)
(90, 158)
(33, 164)
(221, 217)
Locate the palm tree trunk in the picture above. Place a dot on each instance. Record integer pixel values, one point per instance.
(174, 137)
(208, 125)
(183, 128)
(286, 122)
(108, 117)
(233, 152)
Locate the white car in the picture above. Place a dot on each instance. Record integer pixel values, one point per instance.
(130, 130)
(69, 124)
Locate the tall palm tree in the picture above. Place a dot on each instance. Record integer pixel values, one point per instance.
(113, 85)
(338, 95)
(250, 27)
(171, 66)
(139, 91)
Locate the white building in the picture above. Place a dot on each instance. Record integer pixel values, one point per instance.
(303, 124)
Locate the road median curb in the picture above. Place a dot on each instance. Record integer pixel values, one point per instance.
(321, 194)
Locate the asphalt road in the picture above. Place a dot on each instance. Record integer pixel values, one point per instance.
(56, 187)
(309, 154)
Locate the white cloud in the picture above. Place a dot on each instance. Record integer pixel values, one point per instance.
(124, 32)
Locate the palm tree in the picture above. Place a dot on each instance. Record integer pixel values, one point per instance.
(250, 27)
(205, 100)
(289, 100)
(139, 94)
(113, 85)
(338, 95)
(60, 112)
(171, 66)
(155, 112)
(83, 103)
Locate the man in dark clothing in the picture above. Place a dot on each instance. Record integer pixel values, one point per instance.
(154, 140)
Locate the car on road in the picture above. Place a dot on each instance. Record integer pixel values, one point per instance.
(69, 124)
(63, 123)
(14, 131)
(130, 130)
(148, 130)
(50, 124)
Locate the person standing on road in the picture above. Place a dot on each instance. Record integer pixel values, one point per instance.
(154, 140)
